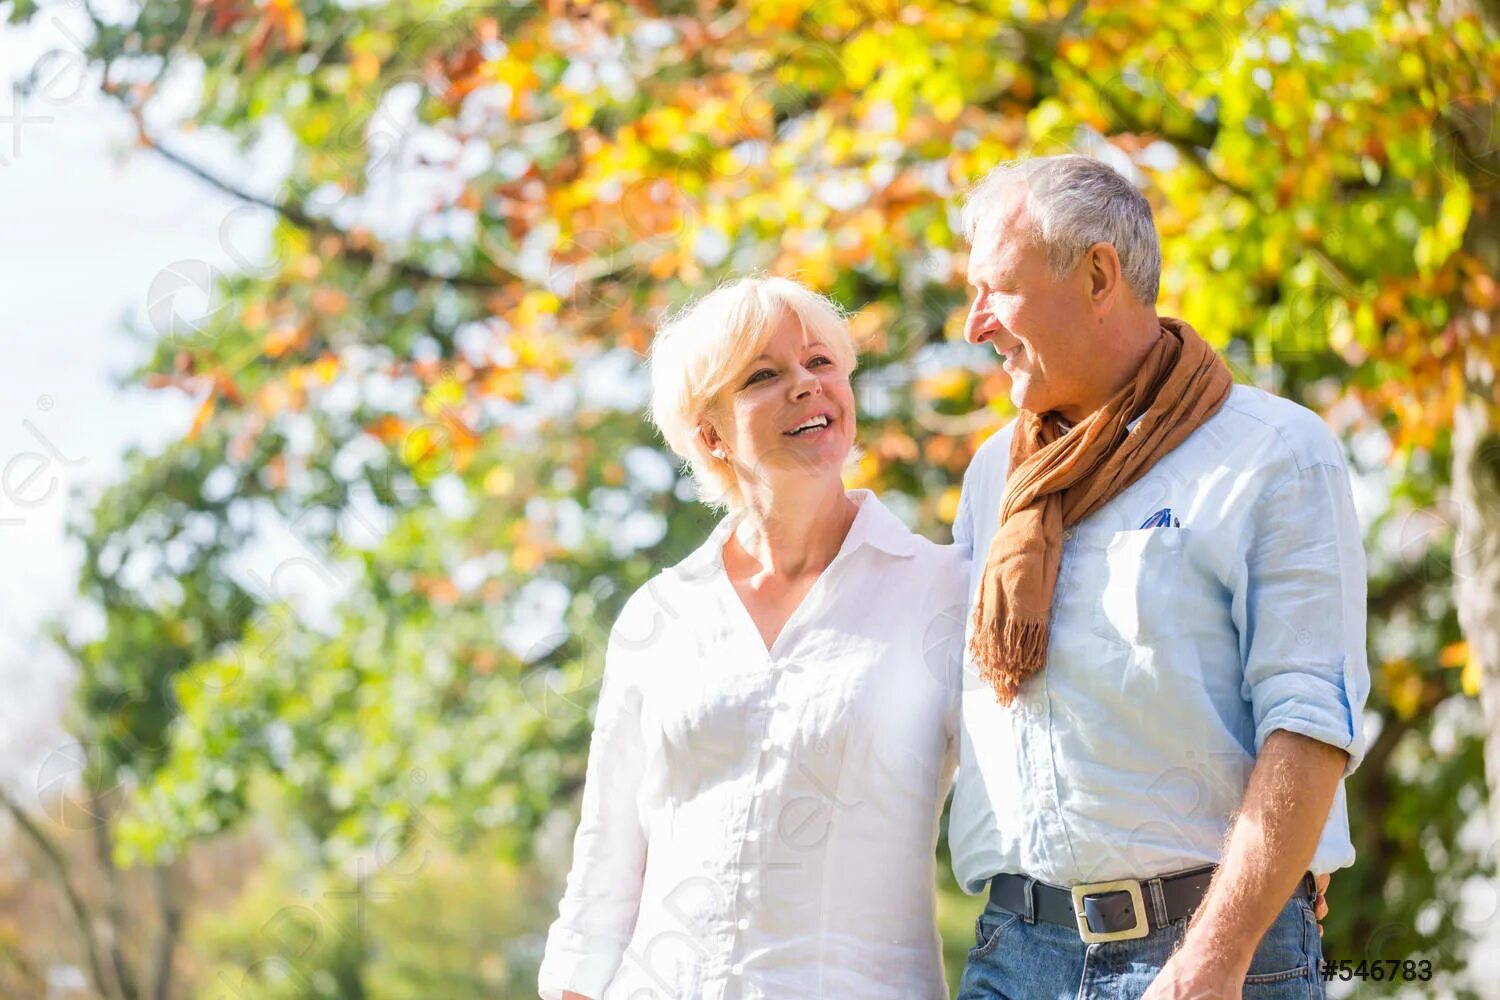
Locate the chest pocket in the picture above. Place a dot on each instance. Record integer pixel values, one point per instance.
(1145, 571)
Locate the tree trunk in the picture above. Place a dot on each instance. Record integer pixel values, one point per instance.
(171, 930)
(1468, 142)
(1476, 557)
(1476, 443)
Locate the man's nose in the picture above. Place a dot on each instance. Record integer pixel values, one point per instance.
(980, 324)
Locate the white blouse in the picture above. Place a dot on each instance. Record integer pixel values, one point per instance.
(763, 824)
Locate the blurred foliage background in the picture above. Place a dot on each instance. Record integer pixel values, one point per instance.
(357, 776)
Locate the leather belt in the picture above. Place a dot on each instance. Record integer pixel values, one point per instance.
(1114, 911)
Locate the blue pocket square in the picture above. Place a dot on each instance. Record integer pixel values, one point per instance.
(1162, 519)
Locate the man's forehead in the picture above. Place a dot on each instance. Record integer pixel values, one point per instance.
(998, 244)
(1003, 232)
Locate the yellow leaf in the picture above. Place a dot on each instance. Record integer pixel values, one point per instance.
(326, 368)
(948, 505)
(527, 557)
(201, 418)
(865, 474)
(1402, 683)
(499, 481)
(366, 67)
(949, 384)
(1471, 677)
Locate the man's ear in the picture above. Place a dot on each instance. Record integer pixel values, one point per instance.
(1106, 279)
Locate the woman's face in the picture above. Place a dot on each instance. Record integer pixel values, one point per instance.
(791, 411)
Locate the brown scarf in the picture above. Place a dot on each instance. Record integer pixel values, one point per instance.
(1058, 479)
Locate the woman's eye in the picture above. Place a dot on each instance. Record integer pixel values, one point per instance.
(757, 376)
(819, 359)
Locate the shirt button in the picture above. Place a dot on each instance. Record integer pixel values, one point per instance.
(736, 969)
(752, 834)
(744, 924)
(766, 744)
(1068, 533)
(746, 876)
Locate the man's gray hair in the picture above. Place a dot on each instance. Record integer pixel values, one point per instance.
(1073, 202)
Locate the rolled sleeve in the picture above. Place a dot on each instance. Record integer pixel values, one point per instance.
(598, 910)
(1306, 669)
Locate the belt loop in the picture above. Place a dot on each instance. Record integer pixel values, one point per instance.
(1028, 889)
(1158, 902)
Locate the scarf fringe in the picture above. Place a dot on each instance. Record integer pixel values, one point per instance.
(1025, 639)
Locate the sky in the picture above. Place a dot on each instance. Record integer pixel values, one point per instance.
(87, 226)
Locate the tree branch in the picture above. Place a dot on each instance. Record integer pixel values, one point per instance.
(76, 905)
(171, 930)
(115, 905)
(300, 218)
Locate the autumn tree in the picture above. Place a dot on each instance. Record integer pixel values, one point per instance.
(443, 402)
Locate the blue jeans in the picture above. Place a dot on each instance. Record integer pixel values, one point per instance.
(1014, 960)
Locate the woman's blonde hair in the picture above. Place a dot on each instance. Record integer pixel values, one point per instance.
(701, 347)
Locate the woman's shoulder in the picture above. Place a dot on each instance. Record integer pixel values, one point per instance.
(946, 570)
(941, 557)
(648, 609)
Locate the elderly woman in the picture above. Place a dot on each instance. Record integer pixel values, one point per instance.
(776, 731)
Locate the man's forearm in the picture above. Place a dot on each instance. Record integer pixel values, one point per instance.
(1269, 847)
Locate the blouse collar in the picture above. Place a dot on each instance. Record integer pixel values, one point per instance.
(874, 525)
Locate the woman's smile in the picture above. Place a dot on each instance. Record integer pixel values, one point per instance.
(814, 426)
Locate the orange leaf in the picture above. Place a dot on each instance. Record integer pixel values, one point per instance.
(388, 428)
(1455, 654)
(201, 418)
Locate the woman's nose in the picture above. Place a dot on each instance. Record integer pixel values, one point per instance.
(806, 384)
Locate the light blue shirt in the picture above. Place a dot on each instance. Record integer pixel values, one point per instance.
(1173, 652)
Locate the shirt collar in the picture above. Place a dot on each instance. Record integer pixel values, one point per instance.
(874, 524)
(1128, 427)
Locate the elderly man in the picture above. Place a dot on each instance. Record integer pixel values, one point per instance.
(1166, 656)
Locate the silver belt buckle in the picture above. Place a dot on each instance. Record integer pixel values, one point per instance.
(1142, 920)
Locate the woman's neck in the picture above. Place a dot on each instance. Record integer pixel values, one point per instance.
(790, 536)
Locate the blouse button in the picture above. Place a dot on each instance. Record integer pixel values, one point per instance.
(1068, 533)
(744, 924)
(736, 969)
(766, 744)
(752, 834)
(746, 876)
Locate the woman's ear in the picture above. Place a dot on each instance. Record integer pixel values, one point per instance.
(711, 441)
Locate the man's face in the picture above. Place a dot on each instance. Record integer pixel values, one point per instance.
(1044, 327)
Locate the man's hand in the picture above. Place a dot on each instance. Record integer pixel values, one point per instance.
(1270, 845)
(1320, 905)
(1176, 980)
(1186, 978)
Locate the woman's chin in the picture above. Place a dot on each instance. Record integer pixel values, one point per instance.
(813, 460)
